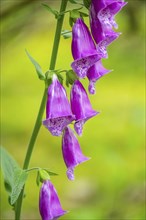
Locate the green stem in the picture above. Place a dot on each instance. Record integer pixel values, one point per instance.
(42, 106)
(57, 35)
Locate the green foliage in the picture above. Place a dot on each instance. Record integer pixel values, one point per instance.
(53, 11)
(44, 174)
(14, 176)
(87, 3)
(60, 78)
(8, 165)
(73, 1)
(75, 14)
(19, 180)
(49, 75)
(39, 71)
(70, 77)
(66, 34)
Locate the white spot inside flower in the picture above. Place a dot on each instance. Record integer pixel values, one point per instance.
(70, 173)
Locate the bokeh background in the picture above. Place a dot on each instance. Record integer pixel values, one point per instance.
(112, 184)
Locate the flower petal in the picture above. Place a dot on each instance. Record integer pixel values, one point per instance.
(49, 204)
(81, 106)
(58, 110)
(71, 151)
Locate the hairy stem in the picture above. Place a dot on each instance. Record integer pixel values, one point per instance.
(38, 122)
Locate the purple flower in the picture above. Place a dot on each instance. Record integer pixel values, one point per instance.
(102, 14)
(72, 153)
(83, 49)
(81, 106)
(49, 204)
(107, 13)
(94, 73)
(58, 111)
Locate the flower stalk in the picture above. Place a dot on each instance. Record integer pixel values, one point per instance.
(38, 122)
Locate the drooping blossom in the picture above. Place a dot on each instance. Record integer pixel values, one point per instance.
(83, 49)
(58, 111)
(72, 153)
(49, 204)
(102, 14)
(94, 73)
(107, 13)
(80, 105)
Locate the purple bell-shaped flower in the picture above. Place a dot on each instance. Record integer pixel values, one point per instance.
(101, 27)
(94, 73)
(83, 49)
(58, 111)
(72, 153)
(81, 106)
(49, 204)
(107, 13)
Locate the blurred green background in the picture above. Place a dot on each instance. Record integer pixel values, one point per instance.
(112, 184)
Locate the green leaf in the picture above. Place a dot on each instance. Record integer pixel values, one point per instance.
(8, 165)
(60, 78)
(73, 1)
(54, 12)
(51, 173)
(37, 66)
(71, 22)
(70, 77)
(87, 3)
(38, 179)
(44, 175)
(74, 14)
(66, 34)
(82, 14)
(19, 180)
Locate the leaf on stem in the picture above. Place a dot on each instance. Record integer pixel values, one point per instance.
(87, 3)
(51, 173)
(70, 77)
(66, 34)
(53, 11)
(14, 176)
(8, 165)
(37, 67)
(73, 1)
(19, 180)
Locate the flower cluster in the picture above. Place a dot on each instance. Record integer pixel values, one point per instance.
(88, 49)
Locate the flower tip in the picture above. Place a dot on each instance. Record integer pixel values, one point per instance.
(70, 174)
(91, 88)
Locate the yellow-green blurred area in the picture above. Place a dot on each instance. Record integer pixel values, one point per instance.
(111, 185)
